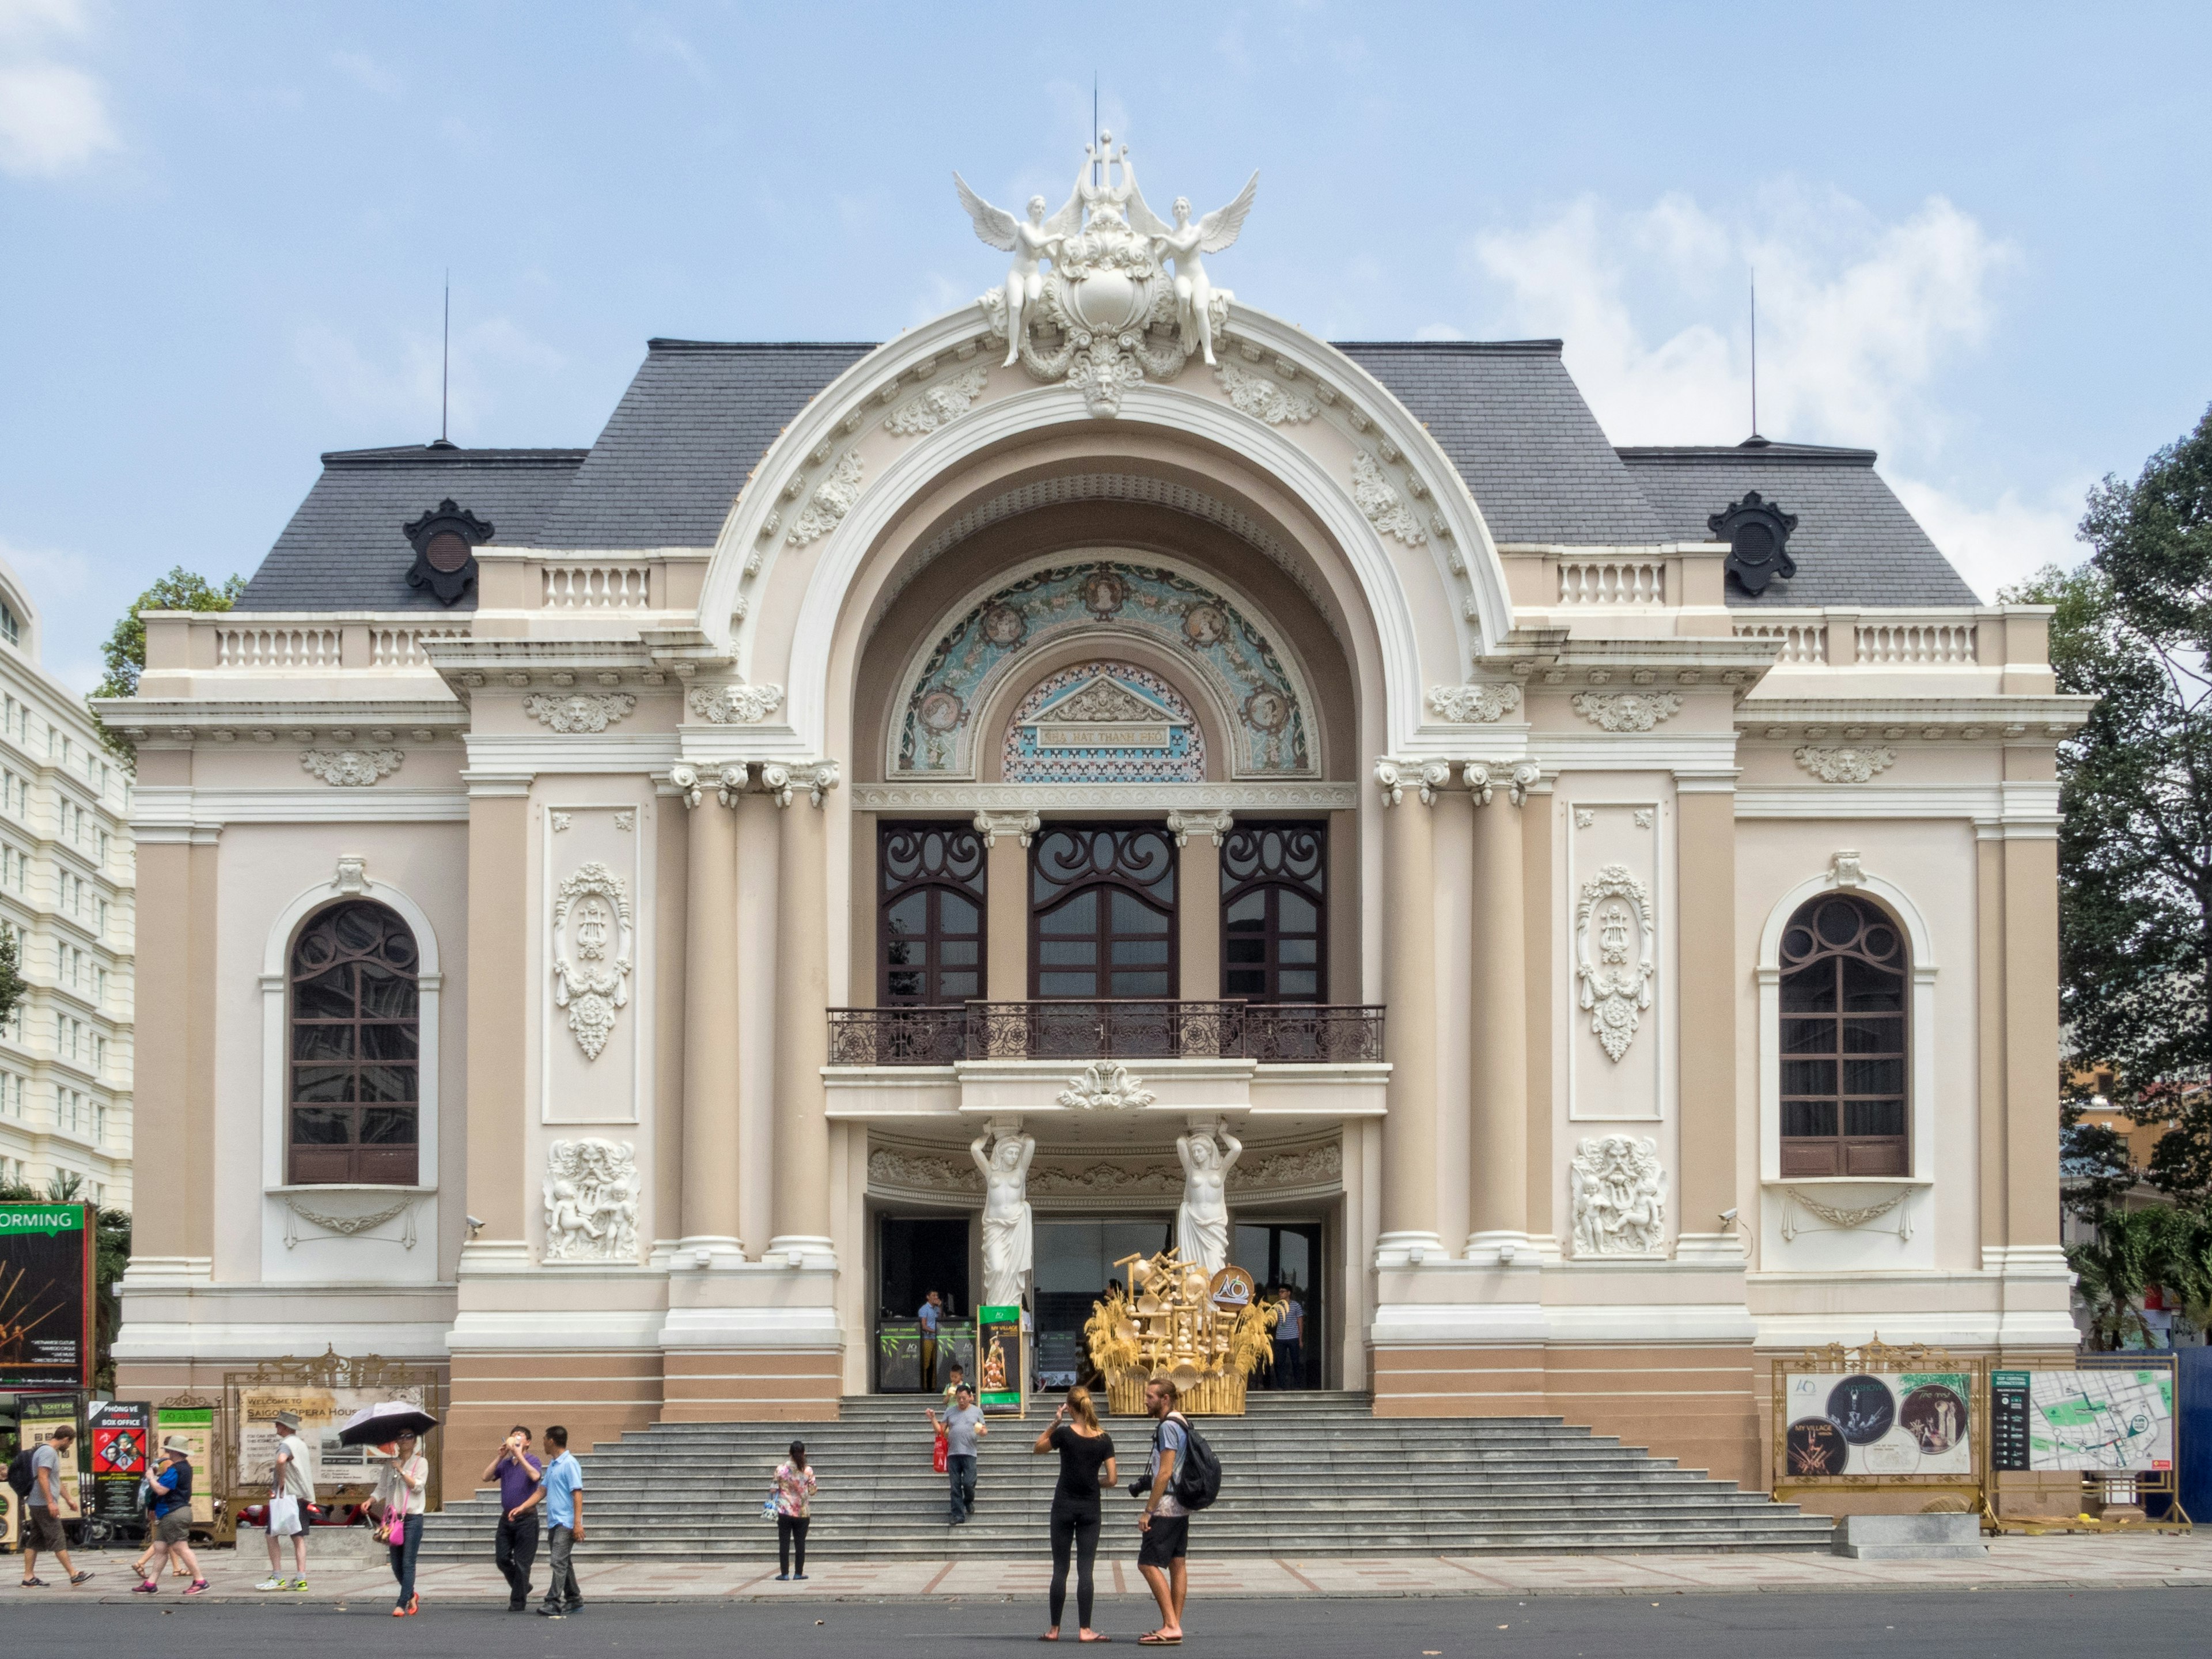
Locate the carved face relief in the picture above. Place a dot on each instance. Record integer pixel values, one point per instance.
(1203, 1153)
(1006, 1154)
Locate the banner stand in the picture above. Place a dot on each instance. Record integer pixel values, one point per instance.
(1875, 1417)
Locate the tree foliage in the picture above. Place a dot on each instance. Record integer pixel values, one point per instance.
(125, 654)
(2133, 1250)
(13, 986)
(2133, 628)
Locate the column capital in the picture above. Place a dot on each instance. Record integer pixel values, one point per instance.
(1484, 777)
(992, 826)
(692, 782)
(1394, 775)
(782, 780)
(1212, 825)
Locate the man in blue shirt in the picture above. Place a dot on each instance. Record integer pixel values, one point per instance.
(560, 1489)
(931, 1310)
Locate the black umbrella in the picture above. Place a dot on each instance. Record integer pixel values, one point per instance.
(379, 1425)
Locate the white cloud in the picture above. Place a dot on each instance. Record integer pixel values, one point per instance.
(368, 73)
(60, 584)
(1856, 317)
(53, 116)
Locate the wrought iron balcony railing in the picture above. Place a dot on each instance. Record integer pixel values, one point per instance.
(1135, 1029)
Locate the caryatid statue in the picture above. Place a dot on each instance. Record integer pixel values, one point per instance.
(1202, 1220)
(1008, 1256)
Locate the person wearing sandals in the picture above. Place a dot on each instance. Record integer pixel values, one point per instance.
(172, 1509)
(401, 1485)
(1086, 1463)
(794, 1487)
(42, 1523)
(291, 1496)
(1164, 1527)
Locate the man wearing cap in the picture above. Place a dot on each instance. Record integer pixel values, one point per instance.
(291, 1491)
(172, 1485)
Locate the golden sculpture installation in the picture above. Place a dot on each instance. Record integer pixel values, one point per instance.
(1208, 1333)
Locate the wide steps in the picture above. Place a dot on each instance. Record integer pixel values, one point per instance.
(1306, 1474)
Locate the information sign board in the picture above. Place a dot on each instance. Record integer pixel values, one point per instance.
(37, 1416)
(1877, 1423)
(2109, 1422)
(120, 1433)
(45, 1296)
(195, 1426)
(322, 1413)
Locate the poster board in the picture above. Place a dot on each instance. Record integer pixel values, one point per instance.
(324, 1393)
(45, 1296)
(1876, 1416)
(38, 1416)
(2105, 1421)
(120, 1431)
(193, 1423)
(1002, 1372)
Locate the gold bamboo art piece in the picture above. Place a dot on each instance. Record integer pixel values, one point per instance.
(1174, 1321)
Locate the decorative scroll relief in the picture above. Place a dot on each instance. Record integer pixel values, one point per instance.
(832, 499)
(1107, 313)
(1393, 777)
(592, 914)
(581, 712)
(734, 705)
(351, 768)
(1206, 630)
(1375, 495)
(1474, 705)
(1849, 764)
(1843, 1217)
(1626, 711)
(1106, 1180)
(1262, 399)
(1621, 1205)
(917, 1172)
(1312, 1166)
(348, 1226)
(591, 1200)
(1613, 951)
(937, 406)
(1105, 1086)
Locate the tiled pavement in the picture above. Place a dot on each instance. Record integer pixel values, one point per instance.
(2145, 1561)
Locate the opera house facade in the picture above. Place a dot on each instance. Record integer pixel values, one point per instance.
(1596, 905)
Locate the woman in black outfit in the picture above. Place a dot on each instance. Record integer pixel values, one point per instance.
(1086, 1463)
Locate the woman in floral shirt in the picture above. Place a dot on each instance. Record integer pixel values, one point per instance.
(794, 1486)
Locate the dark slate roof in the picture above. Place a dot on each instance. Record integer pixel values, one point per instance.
(344, 549)
(1514, 424)
(687, 433)
(1854, 543)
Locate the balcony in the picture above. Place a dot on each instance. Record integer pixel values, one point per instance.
(1332, 1034)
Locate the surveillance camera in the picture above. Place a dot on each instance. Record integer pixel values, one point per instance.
(1729, 1216)
(475, 1223)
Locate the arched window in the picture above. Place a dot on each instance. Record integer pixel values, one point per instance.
(929, 922)
(1274, 944)
(1103, 912)
(356, 1036)
(1844, 967)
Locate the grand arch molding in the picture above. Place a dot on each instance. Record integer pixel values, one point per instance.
(1431, 591)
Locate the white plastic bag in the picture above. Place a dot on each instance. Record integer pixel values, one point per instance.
(283, 1517)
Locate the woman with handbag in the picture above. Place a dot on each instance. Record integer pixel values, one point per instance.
(794, 1489)
(398, 1509)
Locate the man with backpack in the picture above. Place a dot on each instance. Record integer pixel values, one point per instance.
(1183, 1475)
(35, 1475)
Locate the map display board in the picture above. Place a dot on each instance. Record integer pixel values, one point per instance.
(2103, 1421)
(45, 1296)
(1877, 1423)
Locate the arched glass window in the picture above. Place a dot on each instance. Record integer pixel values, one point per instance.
(929, 921)
(1275, 945)
(1103, 912)
(1843, 1041)
(356, 1036)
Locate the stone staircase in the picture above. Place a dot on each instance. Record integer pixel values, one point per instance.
(1303, 1474)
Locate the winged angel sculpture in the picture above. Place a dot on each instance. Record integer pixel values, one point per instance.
(1118, 314)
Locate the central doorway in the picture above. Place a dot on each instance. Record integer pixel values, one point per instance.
(1287, 1254)
(1074, 1263)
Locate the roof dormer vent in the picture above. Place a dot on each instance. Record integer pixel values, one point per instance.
(1758, 535)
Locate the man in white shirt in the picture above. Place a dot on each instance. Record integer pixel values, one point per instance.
(291, 1477)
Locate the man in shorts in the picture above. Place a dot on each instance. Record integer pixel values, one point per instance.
(42, 1528)
(172, 1486)
(1164, 1527)
(290, 1476)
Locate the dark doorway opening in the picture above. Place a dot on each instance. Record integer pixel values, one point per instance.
(1288, 1255)
(915, 1255)
(1074, 1262)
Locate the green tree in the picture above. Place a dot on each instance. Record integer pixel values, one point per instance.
(125, 654)
(13, 986)
(2133, 1250)
(2133, 628)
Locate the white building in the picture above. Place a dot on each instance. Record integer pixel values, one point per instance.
(66, 896)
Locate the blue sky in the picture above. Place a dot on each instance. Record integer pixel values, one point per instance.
(1981, 232)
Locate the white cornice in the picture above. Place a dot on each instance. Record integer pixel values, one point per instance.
(971, 798)
(2026, 804)
(164, 812)
(574, 752)
(2013, 718)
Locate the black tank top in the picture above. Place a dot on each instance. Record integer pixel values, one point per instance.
(1081, 1457)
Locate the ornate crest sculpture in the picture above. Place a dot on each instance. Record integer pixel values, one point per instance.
(1613, 956)
(590, 1192)
(1108, 312)
(1620, 1204)
(593, 915)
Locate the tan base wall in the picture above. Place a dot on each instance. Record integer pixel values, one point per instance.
(595, 1395)
(750, 1385)
(1694, 1404)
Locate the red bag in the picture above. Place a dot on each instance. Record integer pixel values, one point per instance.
(936, 1457)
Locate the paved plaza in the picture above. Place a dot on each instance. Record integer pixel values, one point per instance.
(2012, 1563)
